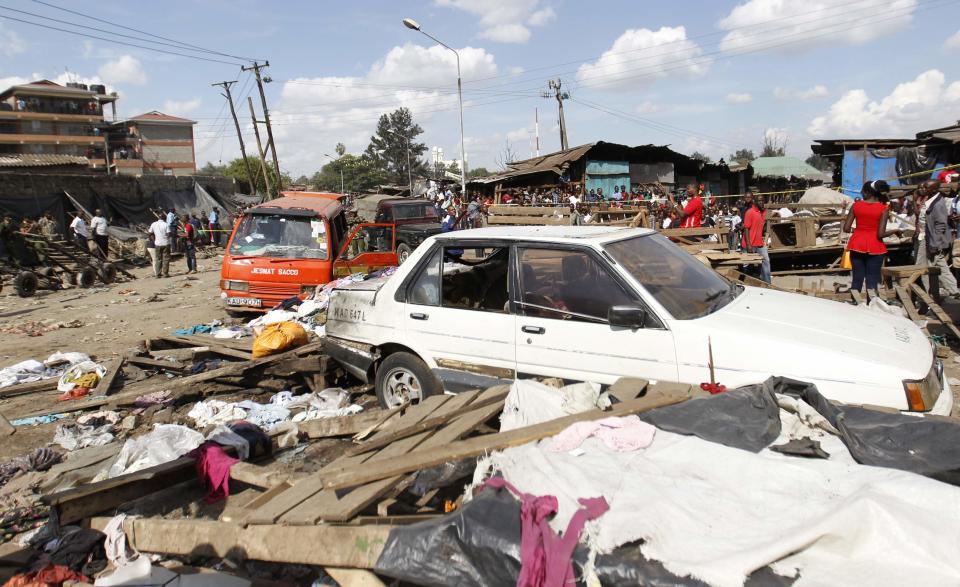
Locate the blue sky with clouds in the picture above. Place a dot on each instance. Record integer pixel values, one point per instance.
(702, 75)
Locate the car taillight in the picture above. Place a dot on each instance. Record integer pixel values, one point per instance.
(235, 285)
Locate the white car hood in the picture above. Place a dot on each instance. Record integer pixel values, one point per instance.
(806, 337)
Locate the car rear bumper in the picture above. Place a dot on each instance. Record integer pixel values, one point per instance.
(356, 358)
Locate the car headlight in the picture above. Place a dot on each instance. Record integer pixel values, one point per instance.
(922, 394)
(235, 285)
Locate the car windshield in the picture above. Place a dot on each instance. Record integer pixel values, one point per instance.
(279, 236)
(407, 211)
(684, 286)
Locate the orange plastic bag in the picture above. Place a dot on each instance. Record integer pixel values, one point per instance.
(278, 337)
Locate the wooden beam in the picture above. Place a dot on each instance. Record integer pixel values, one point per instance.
(32, 387)
(907, 303)
(113, 369)
(484, 444)
(340, 546)
(937, 310)
(344, 425)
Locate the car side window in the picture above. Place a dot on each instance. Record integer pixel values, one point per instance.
(476, 279)
(425, 291)
(567, 285)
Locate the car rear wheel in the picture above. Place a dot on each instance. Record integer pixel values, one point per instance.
(403, 253)
(404, 378)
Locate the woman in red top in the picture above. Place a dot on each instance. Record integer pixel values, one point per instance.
(866, 243)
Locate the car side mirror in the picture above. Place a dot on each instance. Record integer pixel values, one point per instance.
(627, 316)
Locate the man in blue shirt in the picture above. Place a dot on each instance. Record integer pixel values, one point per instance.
(172, 222)
(215, 226)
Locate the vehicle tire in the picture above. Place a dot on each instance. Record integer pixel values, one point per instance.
(108, 273)
(26, 283)
(403, 253)
(403, 377)
(86, 277)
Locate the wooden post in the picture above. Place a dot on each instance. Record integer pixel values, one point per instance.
(263, 163)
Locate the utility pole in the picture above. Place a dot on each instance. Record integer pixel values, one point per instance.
(243, 150)
(263, 162)
(536, 125)
(560, 96)
(256, 67)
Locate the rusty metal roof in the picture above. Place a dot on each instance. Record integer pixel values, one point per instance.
(32, 160)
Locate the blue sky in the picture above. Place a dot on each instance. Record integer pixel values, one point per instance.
(703, 75)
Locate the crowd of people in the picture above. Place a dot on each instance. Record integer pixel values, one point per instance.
(171, 233)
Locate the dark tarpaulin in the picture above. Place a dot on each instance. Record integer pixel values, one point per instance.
(911, 160)
(34, 207)
(479, 545)
(230, 202)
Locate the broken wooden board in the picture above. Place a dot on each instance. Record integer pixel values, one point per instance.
(356, 547)
(907, 303)
(344, 425)
(480, 445)
(32, 387)
(113, 367)
(936, 309)
(628, 388)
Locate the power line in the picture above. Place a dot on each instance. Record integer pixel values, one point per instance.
(79, 34)
(181, 43)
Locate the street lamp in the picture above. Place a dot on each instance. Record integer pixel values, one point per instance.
(415, 26)
(341, 170)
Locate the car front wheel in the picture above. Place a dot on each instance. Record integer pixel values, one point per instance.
(404, 378)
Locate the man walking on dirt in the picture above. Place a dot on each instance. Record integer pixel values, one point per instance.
(161, 239)
(189, 244)
(98, 226)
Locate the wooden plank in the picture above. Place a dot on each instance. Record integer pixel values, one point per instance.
(824, 271)
(6, 428)
(152, 363)
(628, 388)
(32, 387)
(907, 303)
(528, 220)
(238, 344)
(307, 488)
(113, 369)
(529, 210)
(694, 231)
(484, 444)
(340, 546)
(937, 310)
(344, 425)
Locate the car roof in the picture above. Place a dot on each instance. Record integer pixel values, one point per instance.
(577, 234)
(325, 206)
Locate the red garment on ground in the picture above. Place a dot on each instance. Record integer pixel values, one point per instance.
(753, 221)
(864, 238)
(545, 557)
(52, 576)
(213, 469)
(693, 213)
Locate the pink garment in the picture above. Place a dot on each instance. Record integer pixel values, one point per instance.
(545, 557)
(213, 469)
(618, 434)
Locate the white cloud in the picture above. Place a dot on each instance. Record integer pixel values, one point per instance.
(811, 93)
(635, 57)
(924, 102)
(505, 21)
(181, 107)
(739, 98)
(756, 24)
(126, 69)
(516, 70)
(519, 135)
(647, 107)
(10, 42)
(776, 135)
(13, 80)
(953, 42)
(313, 114)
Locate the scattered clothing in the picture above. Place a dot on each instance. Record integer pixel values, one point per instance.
(163, 444)
(32, 370)
(213, 469)
(51, 575)
(21, 519)
(74, 437)
(37, 420)
(214, 411)
(39, 460)
(115, 545)
(196, 329)
(618, 434)
(155, 398)
(81, 550)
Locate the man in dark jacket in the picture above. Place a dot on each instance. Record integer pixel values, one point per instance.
(938, 237)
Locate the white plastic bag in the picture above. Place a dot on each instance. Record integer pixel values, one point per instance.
(165, 443)
(78, 370)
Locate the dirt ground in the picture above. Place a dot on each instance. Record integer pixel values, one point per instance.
(114, 317)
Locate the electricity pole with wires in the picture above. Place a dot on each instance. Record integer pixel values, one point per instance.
(260, 150)
(243, 151)
(560, 96)
(255, 68)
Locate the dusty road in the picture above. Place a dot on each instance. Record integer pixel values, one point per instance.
(113, 318)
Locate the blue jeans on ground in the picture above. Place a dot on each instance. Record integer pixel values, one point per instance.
(865, 267)
(190, 251)
(764, 263)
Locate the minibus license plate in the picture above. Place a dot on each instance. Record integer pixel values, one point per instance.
(251, 302)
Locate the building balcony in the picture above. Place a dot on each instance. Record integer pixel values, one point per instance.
(50, 117)
(38, 139)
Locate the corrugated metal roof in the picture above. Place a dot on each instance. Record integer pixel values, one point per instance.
(784, 167)
(31, 160)
(157, 116)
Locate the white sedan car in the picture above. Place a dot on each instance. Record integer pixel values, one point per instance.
(600, 303)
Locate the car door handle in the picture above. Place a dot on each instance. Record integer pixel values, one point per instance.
(534, 329)
(419, 316)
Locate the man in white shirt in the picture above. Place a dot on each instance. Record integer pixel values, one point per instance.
(80, 231)
(98, 226)
(161, 240)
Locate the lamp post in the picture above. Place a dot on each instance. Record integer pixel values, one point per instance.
(415, 26)
(341, 170)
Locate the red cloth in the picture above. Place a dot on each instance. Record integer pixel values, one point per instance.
(947, 175)
(213, 469)
(188, 231)
(754, 221)
(51, 576)
(545, 557)
(864, 238)
(693, 213)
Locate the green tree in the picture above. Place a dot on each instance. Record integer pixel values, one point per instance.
(238, 171)
(359, 174)
(388, 147)
(821, 163)
(478, 172)
(698, 156)
(340, 149)
(302, 180)
(743, 156)
(211, 169)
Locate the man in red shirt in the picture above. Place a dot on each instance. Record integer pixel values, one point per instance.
(754, 239)
(691, 216)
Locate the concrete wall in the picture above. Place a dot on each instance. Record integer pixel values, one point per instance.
(165, 154)
(165, 132)
(28, 185)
